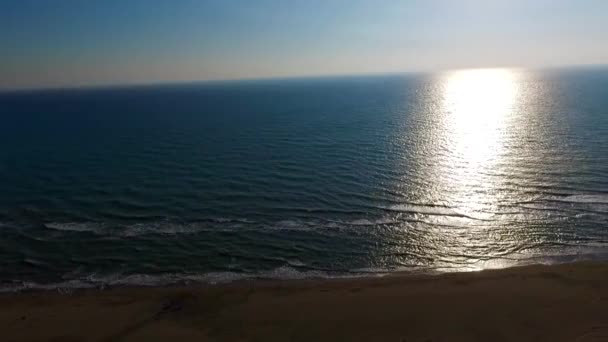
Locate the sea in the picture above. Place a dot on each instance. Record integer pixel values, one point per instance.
(317, 177)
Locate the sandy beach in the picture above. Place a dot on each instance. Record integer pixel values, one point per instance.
(532, 303)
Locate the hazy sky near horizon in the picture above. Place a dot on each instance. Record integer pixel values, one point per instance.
(78, 42)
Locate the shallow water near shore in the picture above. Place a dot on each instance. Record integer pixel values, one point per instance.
(317, 177)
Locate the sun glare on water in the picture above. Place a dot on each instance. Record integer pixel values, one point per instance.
(476, 121)
(473, 124)
(477, 105)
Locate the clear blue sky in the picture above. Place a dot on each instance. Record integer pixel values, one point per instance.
(47, 43)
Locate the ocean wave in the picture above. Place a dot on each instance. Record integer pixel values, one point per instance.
(163, 228)
(596, 199)
(137, 229)
(167, 279)
(433, 210)
(230, 220)
(292, 270)
(296, 263)
(399, 216)
(296, 225)
(76, 226)
(168, 227)
(372, 222)
(568, 205)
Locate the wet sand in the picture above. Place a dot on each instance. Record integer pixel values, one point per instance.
(532, 303)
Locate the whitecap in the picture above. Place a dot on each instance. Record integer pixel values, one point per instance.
(149, 280)
(598, 199)
(367, 222)
(76, 226)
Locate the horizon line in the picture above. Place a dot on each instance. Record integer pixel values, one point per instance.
(161, 83)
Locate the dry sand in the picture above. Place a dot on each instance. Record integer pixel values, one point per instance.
(532, 303)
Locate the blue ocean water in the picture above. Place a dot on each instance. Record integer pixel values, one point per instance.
(296, 178)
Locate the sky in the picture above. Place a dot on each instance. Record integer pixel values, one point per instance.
(67, 43)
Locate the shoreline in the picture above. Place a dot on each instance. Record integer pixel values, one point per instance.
(565, 302)
(285, 273)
